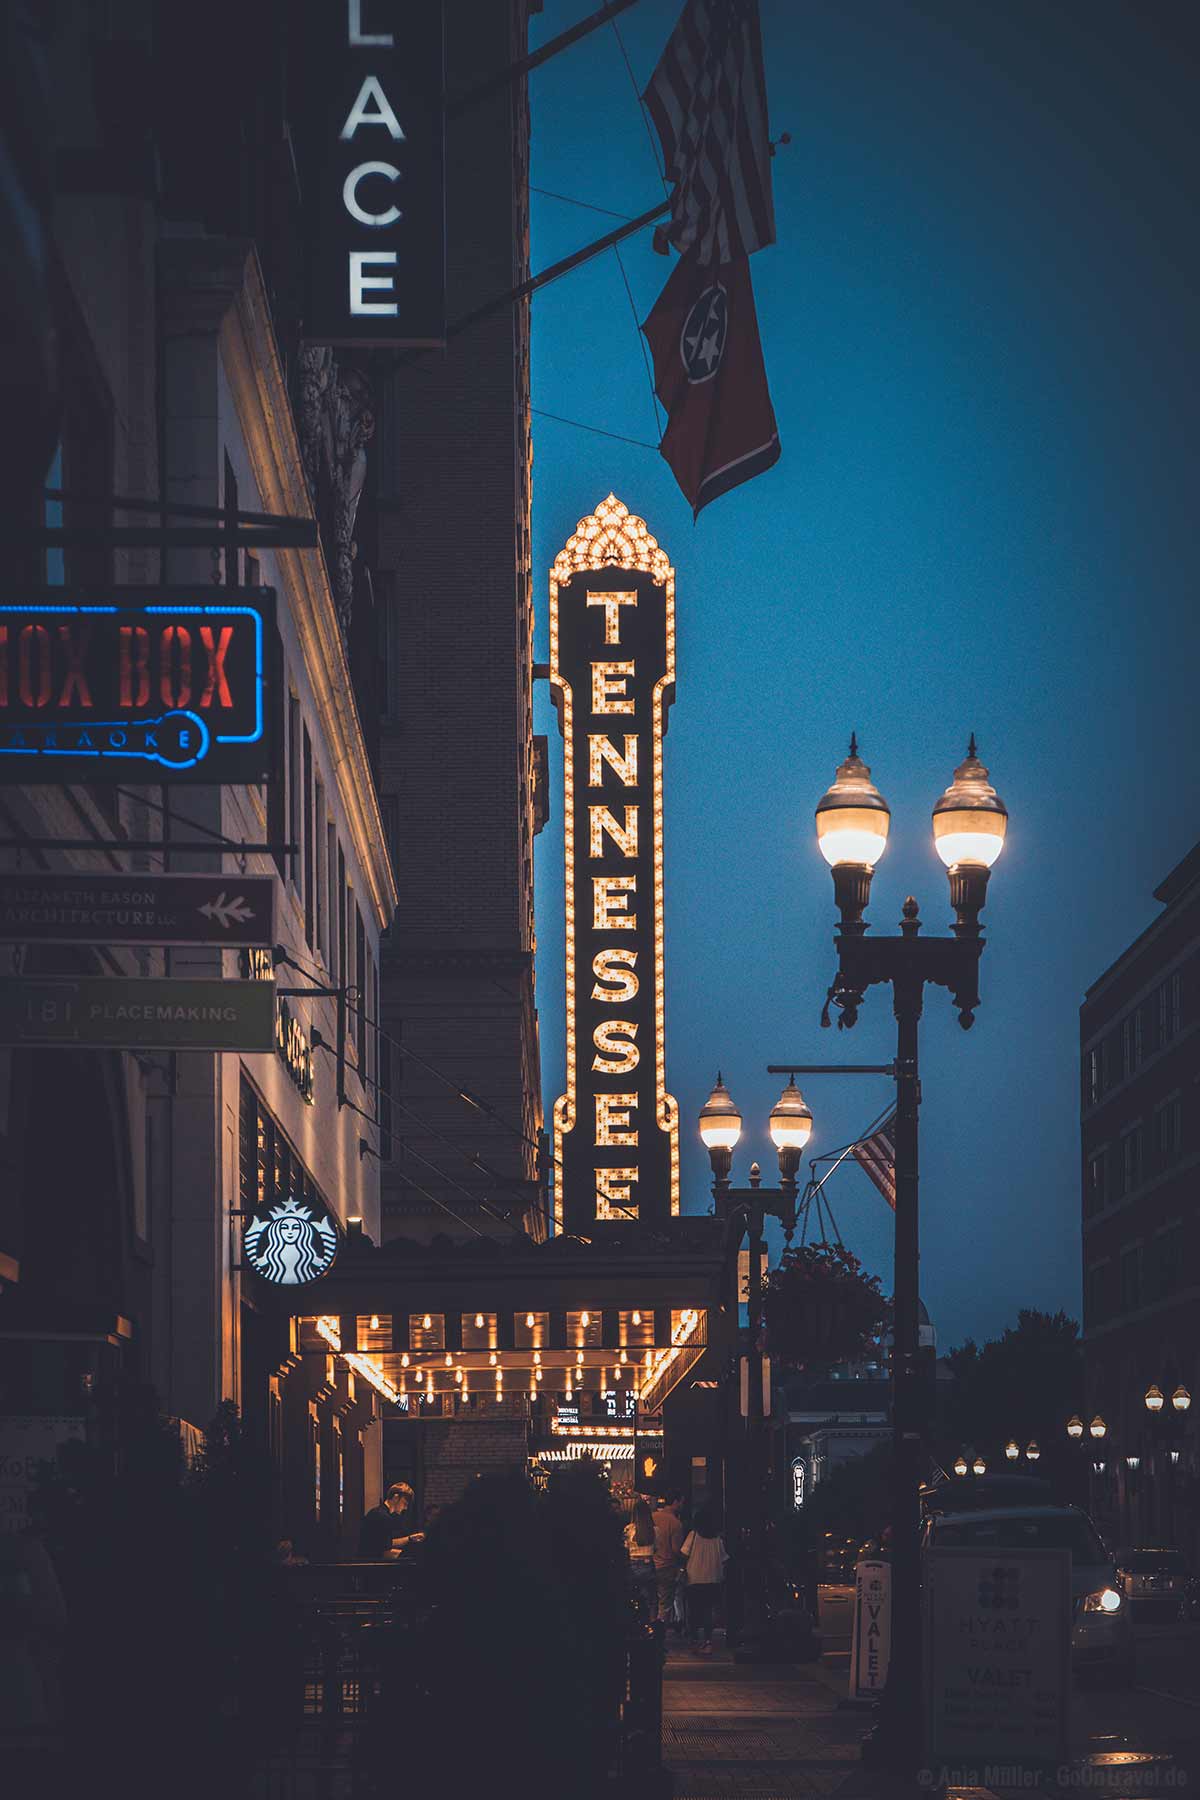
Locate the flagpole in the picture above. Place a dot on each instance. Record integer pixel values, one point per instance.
(563, 267)
(494, 84)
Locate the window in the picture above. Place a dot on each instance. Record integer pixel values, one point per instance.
(1131, 1160)
(309, 868)
(1131, 1043)
(295, 790)
(364, 991)
(1096, 1294)
(1092, 1088)
(321, 840)
(1168, 1132)
(345, 973)
(1170, 1007)
(331, 871)
(1168, 1253)
(1131, 1278)
(1095, 1192)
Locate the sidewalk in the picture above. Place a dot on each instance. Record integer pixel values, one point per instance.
(766, 1732)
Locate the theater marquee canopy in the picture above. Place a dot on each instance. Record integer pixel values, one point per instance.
(612, 672)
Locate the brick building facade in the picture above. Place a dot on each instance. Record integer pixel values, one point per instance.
(1140, 1143)
(451, 502)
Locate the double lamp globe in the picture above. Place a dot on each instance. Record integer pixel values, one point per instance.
(853, 818)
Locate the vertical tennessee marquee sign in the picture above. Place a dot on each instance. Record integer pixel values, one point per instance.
(612, 672)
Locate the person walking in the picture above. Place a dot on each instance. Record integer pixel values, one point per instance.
(704, 1557)
(668, 1542)
(380, 1537)
(639, 1546)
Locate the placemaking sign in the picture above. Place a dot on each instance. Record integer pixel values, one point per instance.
(135, 684)
(370, 136)
(612, 671)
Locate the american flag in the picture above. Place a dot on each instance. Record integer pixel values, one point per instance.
(708, 101)
(877, 1155)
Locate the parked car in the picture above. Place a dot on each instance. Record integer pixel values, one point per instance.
(1101, 1616)
(1158, 1580)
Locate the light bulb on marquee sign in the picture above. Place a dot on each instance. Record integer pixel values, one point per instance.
(612, 671)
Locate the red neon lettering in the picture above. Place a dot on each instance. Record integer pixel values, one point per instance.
(216, 654)
(134, 661)
(175, 692)
(31, 635)
(75, 681)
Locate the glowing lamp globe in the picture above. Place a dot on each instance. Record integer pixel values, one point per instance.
(960, 1465)
(791, 1121)
(970, 819)
(1075, 1426)
(852, 816)
(1154, 1398)
(1181, 1399)
(1012, 1449)
(720, 1120)
(979, 1467)
(1097, 1427)
(1031, 1451)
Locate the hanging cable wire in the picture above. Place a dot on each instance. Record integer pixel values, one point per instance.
(586, 204)
(641, 338)
(596, 430)
(646, 121)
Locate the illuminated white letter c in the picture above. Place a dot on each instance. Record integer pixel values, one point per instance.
(350, 194)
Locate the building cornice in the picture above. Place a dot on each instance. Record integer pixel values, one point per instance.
(252, 365)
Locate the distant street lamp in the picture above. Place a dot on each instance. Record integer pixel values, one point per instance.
(1075, 1427)
(1181, 1399)
(969, 823)
(979, 1467)
(1012, 1449)
(1154, 1399)
(960, 1465)
(745, 1210)
(1031, 1451)
(1097, 1427)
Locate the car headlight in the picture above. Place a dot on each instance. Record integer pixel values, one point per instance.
(1104, 1600)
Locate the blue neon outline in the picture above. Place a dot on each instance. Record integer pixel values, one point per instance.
(244, 612)
(260, 675)
(176, 712)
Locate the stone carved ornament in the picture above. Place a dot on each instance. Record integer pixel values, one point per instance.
(337, 422)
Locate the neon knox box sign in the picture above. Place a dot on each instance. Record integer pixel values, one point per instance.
(136, 684)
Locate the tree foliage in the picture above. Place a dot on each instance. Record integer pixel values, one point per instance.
(1024, 1384)
(821, 1307)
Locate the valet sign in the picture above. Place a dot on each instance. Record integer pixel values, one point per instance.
(612, 672)
(370, 142)
(135, 684)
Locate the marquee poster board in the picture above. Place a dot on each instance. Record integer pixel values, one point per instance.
(136, 684)
(612, 673)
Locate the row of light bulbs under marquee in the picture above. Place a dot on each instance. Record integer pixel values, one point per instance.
(406, 1359)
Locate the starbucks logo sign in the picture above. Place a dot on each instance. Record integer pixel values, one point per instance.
(291, 1244)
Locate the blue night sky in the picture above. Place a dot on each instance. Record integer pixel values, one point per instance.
(979, 324)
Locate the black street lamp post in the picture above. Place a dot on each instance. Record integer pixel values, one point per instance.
(745, 1211)
(969, 823)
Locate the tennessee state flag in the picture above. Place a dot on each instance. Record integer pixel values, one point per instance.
(710, 376)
